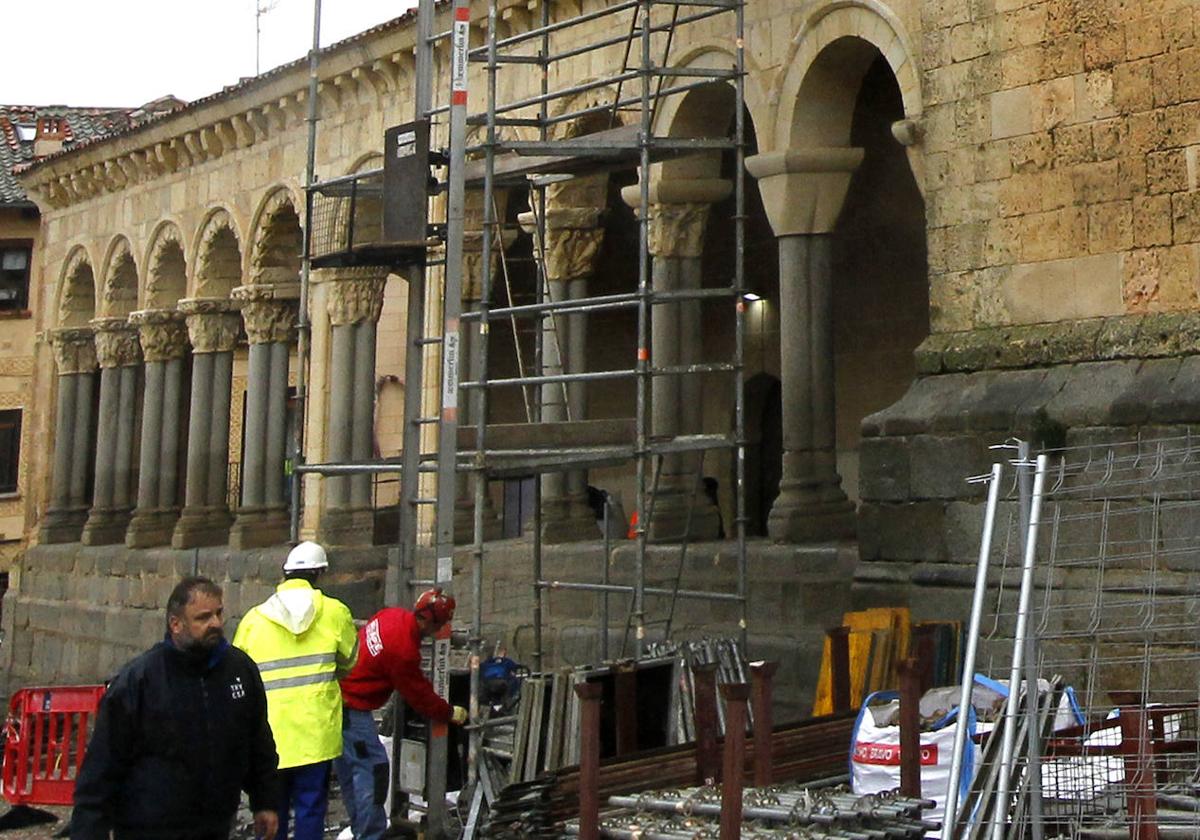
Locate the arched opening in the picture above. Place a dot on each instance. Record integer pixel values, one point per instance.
(880, 285)
(219, 263)
(278, 243)
(167, 279)
(119, 296)
(77, 301)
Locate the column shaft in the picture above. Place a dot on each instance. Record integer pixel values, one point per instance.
(363, 429)
(123, 462)
(168, 494)
(811, 504)
(106, 437)
(341, 411)
(81, 444)
(216, 495)
(276, 426)
(199, 416)
(63, 440)
(254, 446)
(148, 464)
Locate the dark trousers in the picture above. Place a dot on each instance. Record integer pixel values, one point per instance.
(306, 796)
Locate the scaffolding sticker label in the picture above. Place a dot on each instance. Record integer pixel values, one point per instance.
(458, 70)
(450, 370)
(441, 667)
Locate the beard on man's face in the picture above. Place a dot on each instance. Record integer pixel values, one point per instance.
(200, 644)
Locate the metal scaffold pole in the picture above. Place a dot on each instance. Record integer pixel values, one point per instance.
(447, 460)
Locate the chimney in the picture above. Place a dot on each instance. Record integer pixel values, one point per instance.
(51, 133)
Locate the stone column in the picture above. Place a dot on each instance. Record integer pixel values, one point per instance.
(213, 329)
(269, 312)
(573, 239)
(803, 191)
(678, 213)
(119, 354)
(354, 298)
(163, 336)
(75, 357)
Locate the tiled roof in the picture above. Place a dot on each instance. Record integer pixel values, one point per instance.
(142, 119)
(74, 126)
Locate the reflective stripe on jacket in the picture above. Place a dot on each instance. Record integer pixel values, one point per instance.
(303, 642)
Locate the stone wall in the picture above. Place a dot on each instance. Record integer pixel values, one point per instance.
(75, 614)
(1060, 159)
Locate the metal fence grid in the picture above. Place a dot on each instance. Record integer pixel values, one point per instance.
(1092, 590)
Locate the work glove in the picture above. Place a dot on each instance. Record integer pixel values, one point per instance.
(459, 716)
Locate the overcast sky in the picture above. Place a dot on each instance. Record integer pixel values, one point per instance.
(128, 52)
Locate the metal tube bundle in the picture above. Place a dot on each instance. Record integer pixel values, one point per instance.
(774, 812)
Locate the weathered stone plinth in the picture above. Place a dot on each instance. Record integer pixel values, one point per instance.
(567, 520)
(151, 527)
(198, 527)
(62, 526)
(794, 519)
(105, 526)
(259, 528)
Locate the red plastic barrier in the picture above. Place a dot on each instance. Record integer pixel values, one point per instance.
(45, 738)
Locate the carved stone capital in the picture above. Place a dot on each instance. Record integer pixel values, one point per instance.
(573, 239)
(677, 213)
(116, 343)
(472, 273)
(212, 324)
(163, 334)
(355, 295)
(74, 350)
(268, 311)
(677, 230)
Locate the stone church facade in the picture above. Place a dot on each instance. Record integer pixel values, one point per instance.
(968, 220)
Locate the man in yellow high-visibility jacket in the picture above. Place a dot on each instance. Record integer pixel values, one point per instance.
(304, 642)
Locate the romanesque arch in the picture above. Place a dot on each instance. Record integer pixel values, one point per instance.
(218, 252)
(119, 292)
(166, 275)
(277, 240)
(834, 47)
(77, 290)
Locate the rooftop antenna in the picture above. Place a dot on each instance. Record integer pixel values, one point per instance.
(261, 7)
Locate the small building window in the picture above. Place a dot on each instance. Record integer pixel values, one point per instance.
(10, 449)
(26, 132)
(15, 261)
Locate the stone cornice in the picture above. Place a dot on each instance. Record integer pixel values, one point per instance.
(377, 65)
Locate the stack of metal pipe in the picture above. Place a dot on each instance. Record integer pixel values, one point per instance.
(773, 812)
(731, 667)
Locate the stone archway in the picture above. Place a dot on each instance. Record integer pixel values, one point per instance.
(804, 180)
(77, 291)
(166, 275)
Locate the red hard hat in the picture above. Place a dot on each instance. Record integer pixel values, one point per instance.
(437, 604)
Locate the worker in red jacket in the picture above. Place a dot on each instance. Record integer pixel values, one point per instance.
(389, 659)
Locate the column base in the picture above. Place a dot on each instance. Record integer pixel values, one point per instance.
(259, 527)
(346, 527)
(795, 520)
(568, 520)
(105, 526)
(201, 527)
(62, 526)
(151, 528)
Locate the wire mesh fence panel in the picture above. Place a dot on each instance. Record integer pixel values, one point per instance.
(1092, 592)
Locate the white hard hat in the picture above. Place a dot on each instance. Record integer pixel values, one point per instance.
(307, 556)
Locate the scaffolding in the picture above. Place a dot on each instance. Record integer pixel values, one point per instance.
(624, 132)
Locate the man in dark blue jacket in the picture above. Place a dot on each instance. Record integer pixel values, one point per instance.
(181, 731)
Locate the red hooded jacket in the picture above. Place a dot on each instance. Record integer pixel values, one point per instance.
(389, 658)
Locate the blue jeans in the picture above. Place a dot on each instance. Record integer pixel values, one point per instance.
(306, 794)
(363, 774)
